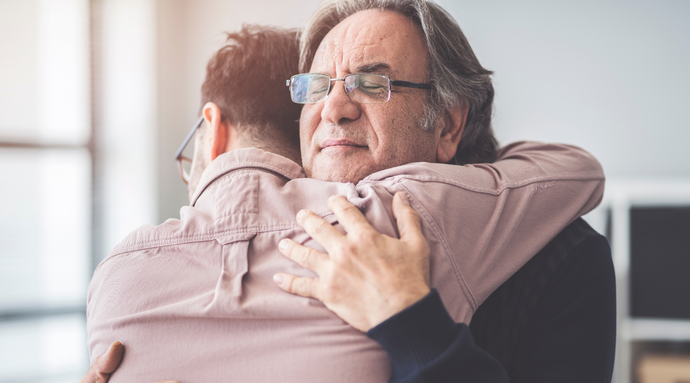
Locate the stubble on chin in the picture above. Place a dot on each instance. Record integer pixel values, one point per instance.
(338, 170)
(338, 167)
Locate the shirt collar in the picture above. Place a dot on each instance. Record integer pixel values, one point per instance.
(246, 158)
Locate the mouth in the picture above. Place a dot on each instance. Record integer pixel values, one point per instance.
(340, 144)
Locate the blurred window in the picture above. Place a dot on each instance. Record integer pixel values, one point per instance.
(46, 171)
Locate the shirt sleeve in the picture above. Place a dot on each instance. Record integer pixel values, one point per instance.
(425, 345)
(485, 221)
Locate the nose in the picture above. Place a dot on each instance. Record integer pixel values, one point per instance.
(338, 106)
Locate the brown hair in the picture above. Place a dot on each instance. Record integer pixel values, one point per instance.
(454, 70)
(246, 79)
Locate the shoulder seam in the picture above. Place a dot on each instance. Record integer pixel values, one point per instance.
(595, 176)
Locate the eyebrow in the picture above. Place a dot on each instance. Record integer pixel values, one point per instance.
(374, 67)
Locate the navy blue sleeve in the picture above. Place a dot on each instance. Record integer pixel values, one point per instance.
(425, 345)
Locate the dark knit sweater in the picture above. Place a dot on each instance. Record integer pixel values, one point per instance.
(553, 321)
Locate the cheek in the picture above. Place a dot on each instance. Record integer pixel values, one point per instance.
(308, 122)
(380, 125)
(406, 140)
(390, 129)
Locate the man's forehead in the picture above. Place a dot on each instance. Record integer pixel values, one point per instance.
(349, 48)
(369, 41)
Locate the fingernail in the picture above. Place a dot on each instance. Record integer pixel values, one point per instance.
(278, 279)
(283, 244)
(301, 214)
(403, 197)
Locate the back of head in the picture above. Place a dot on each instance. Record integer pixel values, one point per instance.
(454, 71)
(246, 79)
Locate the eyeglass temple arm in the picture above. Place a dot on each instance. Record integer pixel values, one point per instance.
(407, 84)
(188, 138)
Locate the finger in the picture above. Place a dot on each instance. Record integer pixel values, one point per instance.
(318, 228)
(303, 286)
(104, 364)
(409, 222)
(312, 259)
(348, 214)
(108, 362)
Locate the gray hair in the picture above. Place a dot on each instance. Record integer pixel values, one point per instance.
(457, 76)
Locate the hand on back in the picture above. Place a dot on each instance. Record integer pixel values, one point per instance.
(365, 277)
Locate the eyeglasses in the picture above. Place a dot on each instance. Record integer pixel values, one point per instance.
(182, 160)
(363, 88)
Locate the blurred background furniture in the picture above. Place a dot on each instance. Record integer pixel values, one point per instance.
(647, 221)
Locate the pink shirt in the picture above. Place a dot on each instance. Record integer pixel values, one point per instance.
(193, 299)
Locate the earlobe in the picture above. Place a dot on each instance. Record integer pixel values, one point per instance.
(218, 133)
(453, 126)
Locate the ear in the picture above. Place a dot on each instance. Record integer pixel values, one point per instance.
(217, 130)
(451, 132)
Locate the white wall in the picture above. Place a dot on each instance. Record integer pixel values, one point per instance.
(610, 76)
(125, 117)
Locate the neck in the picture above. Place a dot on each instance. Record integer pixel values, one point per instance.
(282, 149)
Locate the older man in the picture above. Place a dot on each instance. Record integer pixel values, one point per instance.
(241, 292)
(561, 327)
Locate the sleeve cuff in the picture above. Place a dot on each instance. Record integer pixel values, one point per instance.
(417, 335)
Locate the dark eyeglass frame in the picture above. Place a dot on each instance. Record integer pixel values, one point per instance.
(180, 158)
(404, 84)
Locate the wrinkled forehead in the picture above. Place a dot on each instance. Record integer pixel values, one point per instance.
(377, 41)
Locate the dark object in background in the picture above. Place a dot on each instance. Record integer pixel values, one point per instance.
(660, 262)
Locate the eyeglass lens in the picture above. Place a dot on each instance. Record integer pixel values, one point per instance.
(367, 88)
(184, 166)
(363, 88)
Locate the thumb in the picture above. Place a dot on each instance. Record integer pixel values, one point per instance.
(409, 222)
(104, 365)
(108, 362)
